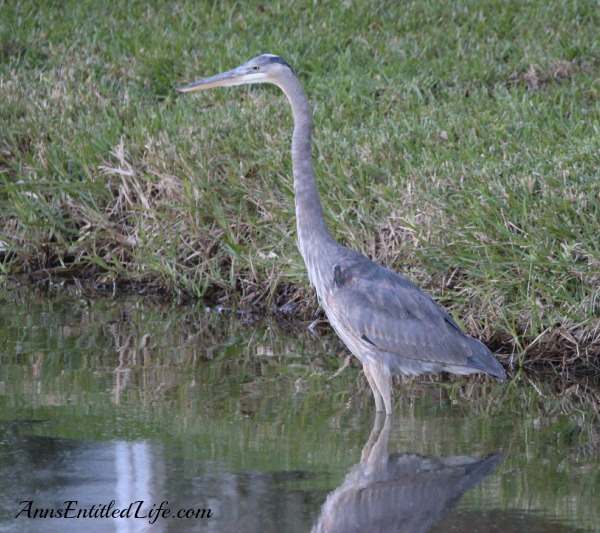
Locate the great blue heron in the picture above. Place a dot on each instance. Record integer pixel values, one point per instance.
(385, 320)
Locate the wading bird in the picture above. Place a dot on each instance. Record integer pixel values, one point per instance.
(384, 319)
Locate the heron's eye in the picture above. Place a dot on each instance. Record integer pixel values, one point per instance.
(255, 67)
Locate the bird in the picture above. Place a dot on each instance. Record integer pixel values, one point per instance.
(388, 323)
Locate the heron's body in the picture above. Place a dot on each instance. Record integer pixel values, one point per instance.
(383, 318)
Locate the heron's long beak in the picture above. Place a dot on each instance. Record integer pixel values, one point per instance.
(225, 79)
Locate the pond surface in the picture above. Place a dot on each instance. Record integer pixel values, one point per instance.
(119, 405)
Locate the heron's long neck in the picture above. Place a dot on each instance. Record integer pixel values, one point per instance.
(313, 234)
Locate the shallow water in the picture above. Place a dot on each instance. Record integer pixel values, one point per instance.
(248, 428)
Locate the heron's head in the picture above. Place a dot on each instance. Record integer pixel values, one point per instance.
(267, 68)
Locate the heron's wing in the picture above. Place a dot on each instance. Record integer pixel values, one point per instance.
(389, 312)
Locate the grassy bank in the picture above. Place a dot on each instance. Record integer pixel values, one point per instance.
(457, 142)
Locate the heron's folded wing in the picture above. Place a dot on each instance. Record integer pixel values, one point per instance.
(392, 314)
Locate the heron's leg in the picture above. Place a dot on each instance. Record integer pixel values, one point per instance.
(382, 378)
(374, 388)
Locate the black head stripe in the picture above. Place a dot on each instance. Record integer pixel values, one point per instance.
(281, 61)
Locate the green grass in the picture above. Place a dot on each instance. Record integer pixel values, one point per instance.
(456, 142)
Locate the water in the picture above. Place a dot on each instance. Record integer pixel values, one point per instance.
(247, 427)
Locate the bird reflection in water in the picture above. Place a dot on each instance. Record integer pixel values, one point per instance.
(399, 492)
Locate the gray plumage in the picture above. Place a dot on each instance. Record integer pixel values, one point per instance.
(400, 492)
(383, 318)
